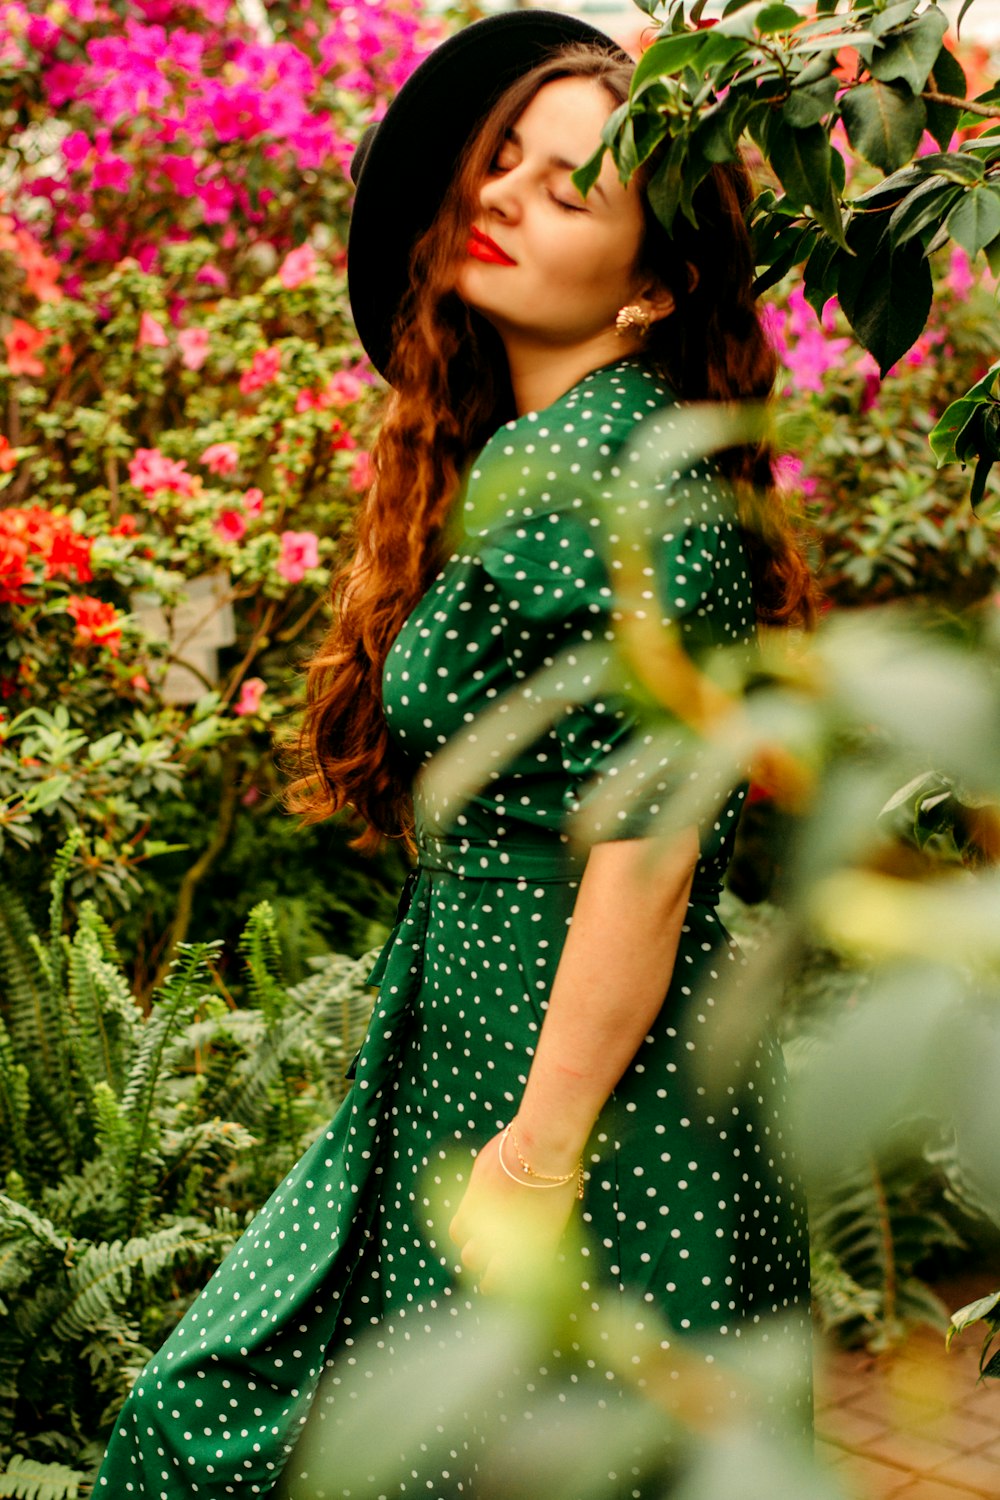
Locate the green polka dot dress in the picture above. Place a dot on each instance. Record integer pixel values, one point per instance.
(691, 1203)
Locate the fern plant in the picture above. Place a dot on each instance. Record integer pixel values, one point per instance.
(133, 1149)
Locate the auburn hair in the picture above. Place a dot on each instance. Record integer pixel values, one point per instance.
(451, 391)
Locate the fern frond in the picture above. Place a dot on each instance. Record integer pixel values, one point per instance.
(260, 947)
(101, 1280)
(24, 1479)
(104, 1016)
(14, 1102)
(174, 1003)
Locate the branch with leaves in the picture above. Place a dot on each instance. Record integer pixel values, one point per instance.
(882, 73)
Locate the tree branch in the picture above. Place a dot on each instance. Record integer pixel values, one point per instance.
(988, 111)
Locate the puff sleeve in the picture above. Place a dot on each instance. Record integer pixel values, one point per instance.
(578, 524)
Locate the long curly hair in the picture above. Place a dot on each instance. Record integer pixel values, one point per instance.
(451, 391)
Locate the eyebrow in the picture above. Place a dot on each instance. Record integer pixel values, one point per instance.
(559, 162)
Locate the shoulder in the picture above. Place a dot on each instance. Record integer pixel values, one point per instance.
(563, 458)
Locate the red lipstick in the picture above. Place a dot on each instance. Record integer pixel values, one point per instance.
(483, 248)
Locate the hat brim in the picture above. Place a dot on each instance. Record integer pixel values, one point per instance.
(411, 156)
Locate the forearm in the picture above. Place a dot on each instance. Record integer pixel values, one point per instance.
(612, 977)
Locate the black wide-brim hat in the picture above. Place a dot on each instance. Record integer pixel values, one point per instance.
(404, 165)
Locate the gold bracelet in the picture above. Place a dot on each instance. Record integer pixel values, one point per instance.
(540, 1178)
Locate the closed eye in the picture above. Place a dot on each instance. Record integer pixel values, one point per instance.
(573, 208)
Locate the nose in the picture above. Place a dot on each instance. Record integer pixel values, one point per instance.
(500, 194)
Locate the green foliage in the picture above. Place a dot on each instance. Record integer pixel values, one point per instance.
(984, 1310)
(779, 74)
(134, 1147)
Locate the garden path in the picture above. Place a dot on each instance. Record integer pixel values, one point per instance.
(913, 1425)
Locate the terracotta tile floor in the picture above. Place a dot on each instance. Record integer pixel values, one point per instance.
(913, 1425)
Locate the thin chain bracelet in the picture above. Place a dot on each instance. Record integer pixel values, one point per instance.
(541, 1181)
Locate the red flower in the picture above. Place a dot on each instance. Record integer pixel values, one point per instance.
(97, 624)
(127, 526)
(23, 342)
(8, 458)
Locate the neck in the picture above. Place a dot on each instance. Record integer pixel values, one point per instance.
(541, 373)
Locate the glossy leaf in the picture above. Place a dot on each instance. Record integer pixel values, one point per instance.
(959, 166)
(910, 54)
(946, 436)
(810, 104)
(961, 16)
(777, 17)
(884, 123)
(802, 161)
(975, 219)
(821, 275)
(666, 56)
(947, 77)
(927, 205)
(886, 295)
(664, 190)
(893, 15)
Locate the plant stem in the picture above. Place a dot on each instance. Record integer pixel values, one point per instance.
(197, 872)
(988, 111)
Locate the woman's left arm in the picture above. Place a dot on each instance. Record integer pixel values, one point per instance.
(615, 969)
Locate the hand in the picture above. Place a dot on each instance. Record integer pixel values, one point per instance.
(504, 1231)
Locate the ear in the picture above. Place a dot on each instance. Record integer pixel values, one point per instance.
(656, 299)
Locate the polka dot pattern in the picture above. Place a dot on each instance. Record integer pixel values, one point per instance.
(691, 1203)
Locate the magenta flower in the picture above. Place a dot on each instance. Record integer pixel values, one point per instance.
(152, 332)
(361, 472)
(788, 477)
(221, 458)
(960, 278)
(152, 473)
(264, 368)
(298, 267)
(251, 692)
(230, 526)
(253, 501)
(211, 276)
(299, 553)
(194, 344)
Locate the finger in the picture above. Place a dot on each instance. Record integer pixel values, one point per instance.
(457, 1230)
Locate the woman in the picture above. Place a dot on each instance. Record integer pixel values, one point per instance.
(541, 1008)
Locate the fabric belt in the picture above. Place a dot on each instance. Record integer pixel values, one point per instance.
(517, 858)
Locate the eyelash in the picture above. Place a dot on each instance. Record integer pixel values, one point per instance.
(497, 169)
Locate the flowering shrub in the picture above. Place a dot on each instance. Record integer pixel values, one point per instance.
(886, 522)
(184, 398)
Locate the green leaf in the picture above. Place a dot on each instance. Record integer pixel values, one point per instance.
(777, 17)
(961, 16)
(975, 220)
(821, 275)
(664, 190)
(886, 295)
(959, 166)
(665, 57)
(991, 96)
(893, 15)
(947, 77)
(792, 247)
(976, 493)
(927, 205)
(910, 53)
(802, 160)
(719, 131)
(584, 177)
(992, 253)
(948, 440)
(808, 105)
(884, 123)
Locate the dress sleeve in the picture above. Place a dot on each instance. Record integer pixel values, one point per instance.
(563, 561)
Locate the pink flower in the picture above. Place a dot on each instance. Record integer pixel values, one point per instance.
(299, 552)
(361, 473)
(152, 473)
(264, 368)
(343, 388)
(211, 276)
(788, 478)
(151, 332)
(960, 279)
(221, 458)
(298, 267)
(251, 692)
(230, 526)
(253, 501)
(194, 344)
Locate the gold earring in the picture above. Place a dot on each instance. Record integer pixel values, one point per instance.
(632, 319)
